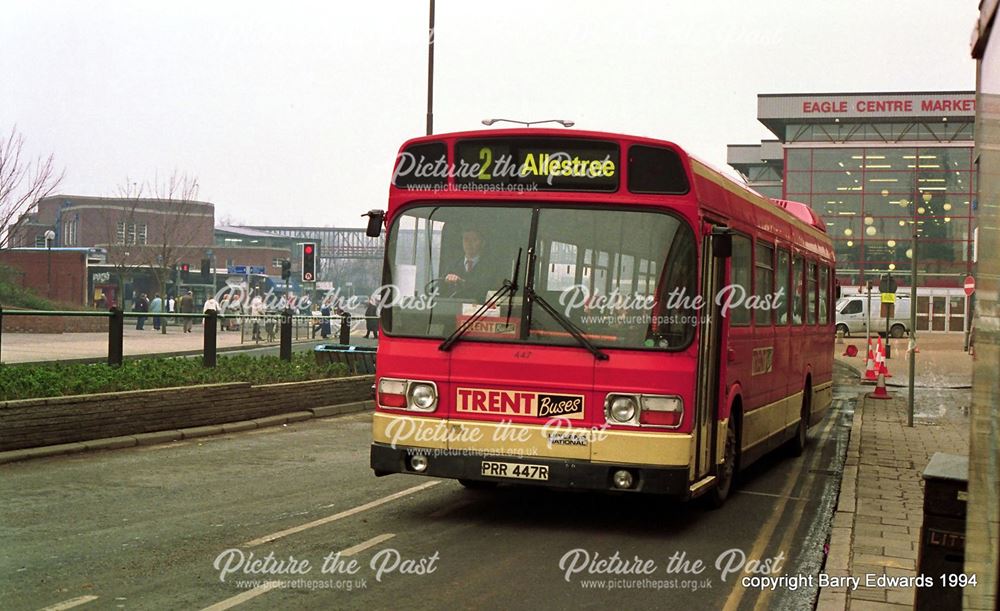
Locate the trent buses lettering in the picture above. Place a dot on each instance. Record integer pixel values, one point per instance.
(519, 403)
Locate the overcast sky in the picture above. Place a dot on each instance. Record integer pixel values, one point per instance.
(292, 112)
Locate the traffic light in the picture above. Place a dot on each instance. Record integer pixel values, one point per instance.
(206, 271)
(309, 262)
(185, 272)
(286, 270)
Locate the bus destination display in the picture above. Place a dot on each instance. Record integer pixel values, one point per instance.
(555, 165)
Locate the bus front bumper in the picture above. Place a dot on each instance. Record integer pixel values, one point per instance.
(559, 473)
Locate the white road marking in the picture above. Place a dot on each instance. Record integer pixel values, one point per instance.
(772, 494)
(360, 547)
(69, 604)
(339, 516)
(239, 599)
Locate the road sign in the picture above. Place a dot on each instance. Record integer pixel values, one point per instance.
(237, 269)
(970, 286)
(888, 297)
(256, 269)
(887, 284)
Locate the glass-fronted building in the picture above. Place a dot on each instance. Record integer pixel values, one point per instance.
(875, 166)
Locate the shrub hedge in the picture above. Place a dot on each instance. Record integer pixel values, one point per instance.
(54, 379)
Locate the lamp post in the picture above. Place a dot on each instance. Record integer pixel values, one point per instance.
(563, 122)
(211, 257)
(49, 237)
(430, 73)
(912, 348)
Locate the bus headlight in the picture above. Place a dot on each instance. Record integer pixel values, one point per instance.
(622, 409)
(411, 395)
(423, 397)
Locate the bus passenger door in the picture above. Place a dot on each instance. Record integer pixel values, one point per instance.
(716, 249)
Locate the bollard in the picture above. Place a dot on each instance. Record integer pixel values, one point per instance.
(116, 333)
(942, 535)
(209, 331)
(285, 350)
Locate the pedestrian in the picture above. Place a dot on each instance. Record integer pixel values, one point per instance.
(371, 318)
(141, 304)
(317, 324)
(172, 305)
(257, 310)
(186, 306)
(223, 308)
(325, 313)
(156, 307)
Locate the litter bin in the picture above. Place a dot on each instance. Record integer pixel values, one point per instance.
(942, 536)
(360, 360)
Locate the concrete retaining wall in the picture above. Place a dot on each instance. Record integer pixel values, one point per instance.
(32, 423)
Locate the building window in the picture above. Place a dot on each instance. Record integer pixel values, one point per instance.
(69, 237)
(276, 262)
(131, 233)
(39, 241)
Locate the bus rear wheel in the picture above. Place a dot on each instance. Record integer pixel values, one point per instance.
(798, 444)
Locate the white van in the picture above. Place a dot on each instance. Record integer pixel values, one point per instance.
(852, 315)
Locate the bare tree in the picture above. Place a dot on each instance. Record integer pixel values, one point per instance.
(22, 182)
(175, 198)
(150, 227)
(123, 243)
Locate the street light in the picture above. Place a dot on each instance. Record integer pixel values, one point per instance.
(49, 237)
(563, 122)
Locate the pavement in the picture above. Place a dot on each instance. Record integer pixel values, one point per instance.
(43, 347)
(876, 526)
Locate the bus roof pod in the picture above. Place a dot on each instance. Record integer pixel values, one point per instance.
(800, 211)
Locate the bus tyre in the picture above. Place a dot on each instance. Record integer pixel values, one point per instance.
(798, 444)
(475, 484)
(717, 496)
(897, 330)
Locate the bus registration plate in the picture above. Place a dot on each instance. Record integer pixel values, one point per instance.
(492, 468)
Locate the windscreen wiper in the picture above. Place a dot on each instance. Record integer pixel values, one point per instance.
(565, 322)
(509, 288)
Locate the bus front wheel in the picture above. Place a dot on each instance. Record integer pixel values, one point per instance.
(727, 471)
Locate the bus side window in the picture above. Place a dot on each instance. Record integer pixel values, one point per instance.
(742, 266)
(764, 282)
(798, 266)
(811, 293)
(824, 295)
(784, 276)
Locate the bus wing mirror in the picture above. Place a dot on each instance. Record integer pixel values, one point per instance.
(375, 220)
(722, 243)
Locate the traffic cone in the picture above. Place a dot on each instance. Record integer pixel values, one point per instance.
(880, 367)
(870, 373)
(880, 391)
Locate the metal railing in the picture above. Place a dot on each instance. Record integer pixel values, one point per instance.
(285, 325)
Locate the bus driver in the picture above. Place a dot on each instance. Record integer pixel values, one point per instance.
(471, 277)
